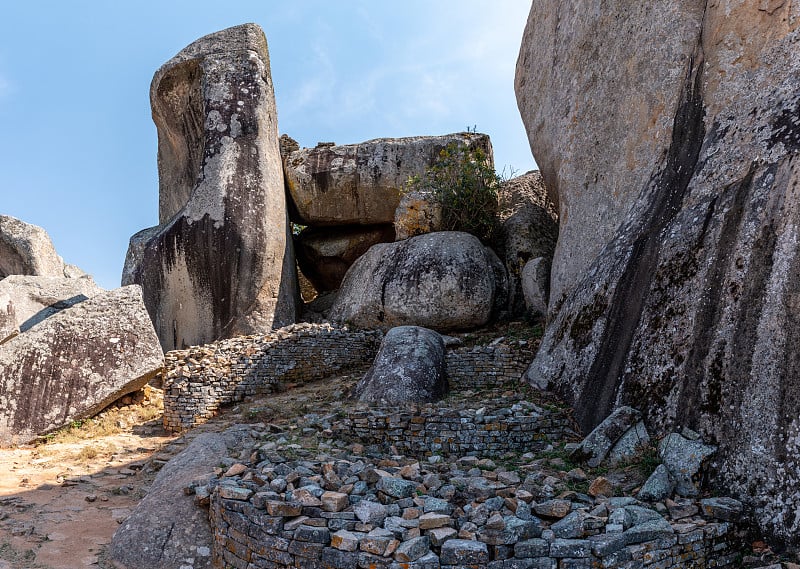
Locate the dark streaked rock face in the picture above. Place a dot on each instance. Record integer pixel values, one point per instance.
(677, 276)
(445, 280)
(409, 368)
(221, 262)
(75, 363)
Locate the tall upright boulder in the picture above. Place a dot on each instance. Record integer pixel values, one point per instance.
(668, 133)
(26, 249)
(220, 263)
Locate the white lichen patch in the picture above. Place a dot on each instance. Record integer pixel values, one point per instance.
(208, 197)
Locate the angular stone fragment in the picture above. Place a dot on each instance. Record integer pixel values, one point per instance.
(658, 485)
(409, 368)
(26, 249)
(417, 213)
(431, 521)
(440, 535)
(325, 253)
(362, 183)
(648, 531)
(444, 281)
(723, 508)
(75, 363)
(594, 448)
(683, 458)
(369, 512)
(345, 540)
(553, 508)
(572, 548)
(230, 492)
(396, 487)
(283, 509)
(413, 549)
(312, 534)
(220, 263)
(630, 444)
(464, 552)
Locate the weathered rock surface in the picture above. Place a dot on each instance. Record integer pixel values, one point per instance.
(75, 363)
(26, 249)
(37, 298)
(361, 183)
(683, 459)
(529, 228)
(221, 262)
(597, 444)
(534, 280)
(8, 319)
(417, 213)
(676, 275)
(445, 280)
(409, 368)
(168, 529)
(325, 254)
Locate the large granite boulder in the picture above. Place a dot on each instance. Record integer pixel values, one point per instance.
(410, 368)
(529, 230)
(8, 319)
(26, 249)
(168, 529)
(221, 262)
(444, 281)
(677, 275)
(37, 298)
(362, 183)
(75, 363)
(325, 253)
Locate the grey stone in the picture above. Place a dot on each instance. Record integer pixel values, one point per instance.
(443, 281)
(639, 515)
(312, 534)
(570, 527)
(220, 262)
(464, 552)
(553, 508)
(532, 548)
(410, 368)
(629, 445)
(649, 531)
(658, 486)
(325, 253)
(396, 487)
(684, 458)
(26, 249)
(8, 319)
(696, 188)
(572, 548)
(440, 535)
(723, 508)
(75, 363)
(166, 528)
(595, 447)
(529, 230)
(369, 512)
(35, 298)
(414, 548)
(417, 213)
(361, 184)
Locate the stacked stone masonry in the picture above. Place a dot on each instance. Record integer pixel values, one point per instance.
(491, 431)
(199, 380)
(259, 530)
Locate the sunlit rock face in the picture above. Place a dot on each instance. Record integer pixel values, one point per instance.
(668, 134)
(220, 263)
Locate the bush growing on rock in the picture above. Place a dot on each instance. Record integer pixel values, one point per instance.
(464, 183)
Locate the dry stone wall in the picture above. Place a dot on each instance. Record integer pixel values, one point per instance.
(199, 380)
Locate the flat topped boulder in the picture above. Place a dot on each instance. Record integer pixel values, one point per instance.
(75, 363)
(35, 298)
(220, 263)
(409, 368)
(362, 183)
(26, 249)
(444, 281)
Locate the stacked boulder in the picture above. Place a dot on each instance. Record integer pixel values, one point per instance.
(347, 196)
(26, 249)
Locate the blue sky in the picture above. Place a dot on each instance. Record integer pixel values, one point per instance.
(78, 146)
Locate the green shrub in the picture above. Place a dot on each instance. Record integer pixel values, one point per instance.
(464, 183)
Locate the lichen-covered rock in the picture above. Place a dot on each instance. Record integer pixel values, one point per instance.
(26, 249)
(675, 280)
(362, 183)
(445, 280)
(529, 229)
(417, 213)
(325, 253)
(597, 444)
(37, 298)
(221, 262)
(684, 458)
(8, 319)
(75, 363)
(409, 368)
(167, 529)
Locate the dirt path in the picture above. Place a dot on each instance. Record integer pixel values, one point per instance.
(61, 502)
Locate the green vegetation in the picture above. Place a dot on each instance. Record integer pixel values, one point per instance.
(465, 185)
